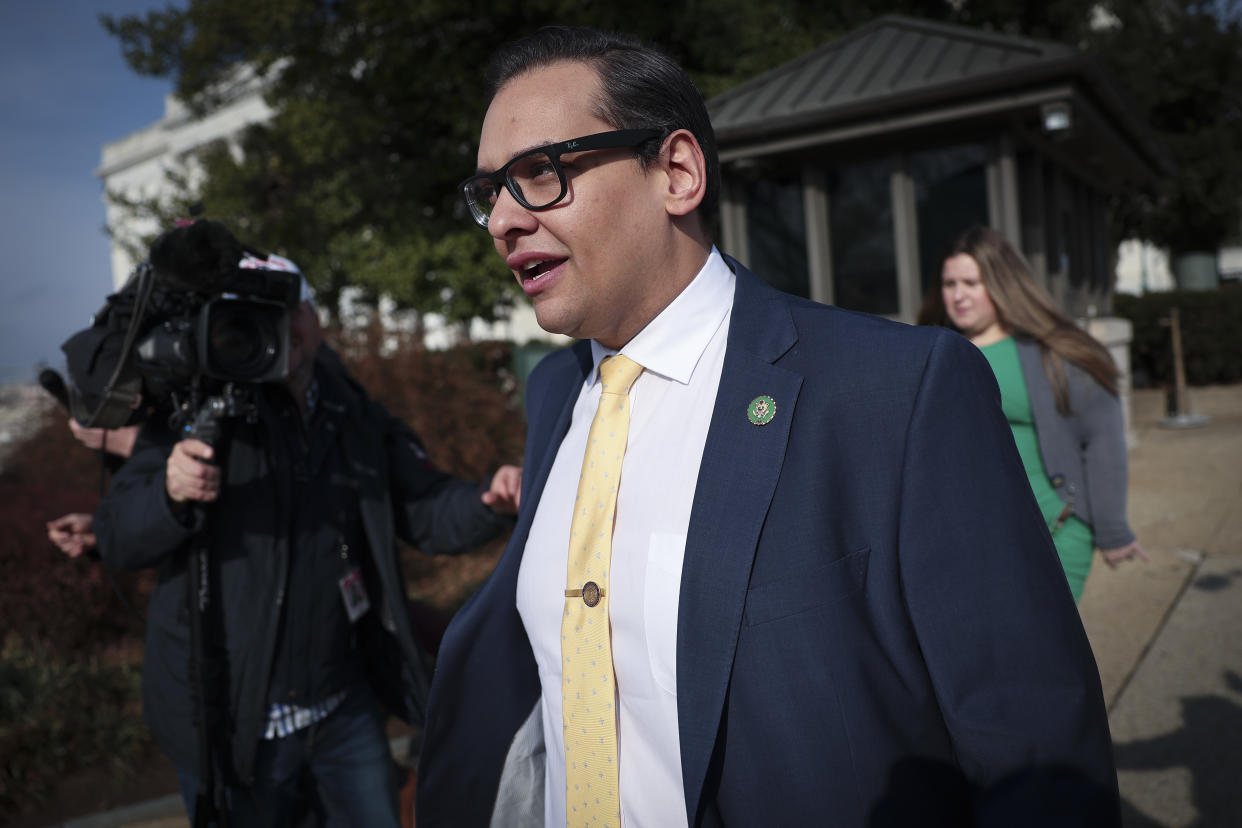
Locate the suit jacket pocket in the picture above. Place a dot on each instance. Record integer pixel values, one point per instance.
(824, 584)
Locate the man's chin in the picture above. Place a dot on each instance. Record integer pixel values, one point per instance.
(551, 321)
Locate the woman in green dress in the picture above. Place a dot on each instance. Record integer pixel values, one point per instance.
(1058, 390)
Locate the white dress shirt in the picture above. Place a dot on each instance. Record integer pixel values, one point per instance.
(671, 405)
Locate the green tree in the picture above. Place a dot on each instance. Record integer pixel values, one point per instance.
(378, 106)
(1180, 61)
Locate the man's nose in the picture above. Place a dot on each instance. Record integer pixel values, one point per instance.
(508, 216)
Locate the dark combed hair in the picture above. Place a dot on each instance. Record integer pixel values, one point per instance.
(1025, 309)
(642, 88)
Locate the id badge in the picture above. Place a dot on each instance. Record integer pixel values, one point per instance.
(354, 594)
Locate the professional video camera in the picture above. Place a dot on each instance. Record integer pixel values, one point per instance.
(204, 313)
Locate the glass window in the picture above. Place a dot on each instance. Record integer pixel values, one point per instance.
(950, 194)
(860, 219)
(1055, 222)
(1099, 241)
(776, 232)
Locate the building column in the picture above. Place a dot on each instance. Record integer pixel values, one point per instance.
(733, 221)
(1115, 334)
(905, 242)
(818, 232)
(1003, 193)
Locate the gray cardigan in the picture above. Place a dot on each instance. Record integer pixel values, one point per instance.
(1085, 453)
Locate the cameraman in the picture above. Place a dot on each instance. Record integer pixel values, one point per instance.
(308, 605)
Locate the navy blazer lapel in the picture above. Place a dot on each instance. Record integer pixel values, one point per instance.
(547, 427)
(738, 475)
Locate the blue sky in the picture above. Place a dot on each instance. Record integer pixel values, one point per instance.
(65, 91)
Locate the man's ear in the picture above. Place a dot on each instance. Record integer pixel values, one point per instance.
(687, 173)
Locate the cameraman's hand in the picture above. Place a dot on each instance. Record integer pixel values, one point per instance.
(190, 475)
(505, 493)
(72, 533)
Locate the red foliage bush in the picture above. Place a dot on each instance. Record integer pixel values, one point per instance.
(59, 613)
(462, 402)
(67, 605)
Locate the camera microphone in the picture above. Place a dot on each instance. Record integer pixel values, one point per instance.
(200, 257)
(54, 384)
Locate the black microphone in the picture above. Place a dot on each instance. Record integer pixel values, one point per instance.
(54, 384)
(200, 257)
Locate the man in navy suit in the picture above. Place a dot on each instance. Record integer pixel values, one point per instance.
(830, 586)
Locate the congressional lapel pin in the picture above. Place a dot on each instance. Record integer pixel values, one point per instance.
(761, 410)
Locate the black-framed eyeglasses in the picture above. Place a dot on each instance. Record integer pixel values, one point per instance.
(535, 178)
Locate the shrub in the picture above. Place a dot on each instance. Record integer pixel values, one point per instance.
(462, 401)
(1211, 326)
(59, 715)
(68, 606)
(60, 708)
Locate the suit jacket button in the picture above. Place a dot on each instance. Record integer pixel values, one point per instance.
(1058, 480)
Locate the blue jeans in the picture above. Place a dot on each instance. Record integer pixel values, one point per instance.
(347, 758)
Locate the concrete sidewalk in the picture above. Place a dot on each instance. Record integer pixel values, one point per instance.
(1167, 635)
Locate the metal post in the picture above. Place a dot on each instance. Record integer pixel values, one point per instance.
(1181, 417)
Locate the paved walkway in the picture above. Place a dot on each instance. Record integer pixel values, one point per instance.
(1167, 635)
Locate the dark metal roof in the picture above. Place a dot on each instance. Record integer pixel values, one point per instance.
(897, 65)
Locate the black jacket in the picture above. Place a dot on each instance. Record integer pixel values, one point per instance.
(399, 494)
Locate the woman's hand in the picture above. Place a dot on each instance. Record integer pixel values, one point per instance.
(1114, 557)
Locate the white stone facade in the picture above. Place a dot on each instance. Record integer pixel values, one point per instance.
(137, 165)
(1142, 268)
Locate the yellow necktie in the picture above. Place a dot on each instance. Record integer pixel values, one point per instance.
(588, 697)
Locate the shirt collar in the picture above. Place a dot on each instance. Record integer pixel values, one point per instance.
(672, 343)
(326, 393)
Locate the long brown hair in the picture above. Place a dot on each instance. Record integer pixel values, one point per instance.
(1024, 309)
